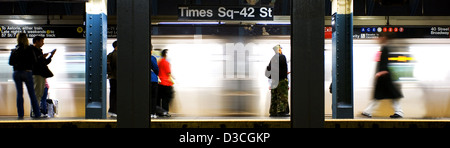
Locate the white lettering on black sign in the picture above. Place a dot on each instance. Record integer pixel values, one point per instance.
(224, 13)
(440, 31)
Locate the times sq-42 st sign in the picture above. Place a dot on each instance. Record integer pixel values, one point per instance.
(225, 13)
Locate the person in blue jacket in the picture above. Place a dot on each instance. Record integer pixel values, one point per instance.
(154, 83)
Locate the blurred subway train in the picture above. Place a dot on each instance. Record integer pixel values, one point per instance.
(219, 76)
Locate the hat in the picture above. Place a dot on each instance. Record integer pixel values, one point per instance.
(276, 48)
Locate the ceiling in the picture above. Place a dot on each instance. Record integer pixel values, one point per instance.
(169, 7)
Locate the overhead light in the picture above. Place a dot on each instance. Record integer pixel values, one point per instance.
(273, 23)
(20, 22)
(96, 7)
(191, 23)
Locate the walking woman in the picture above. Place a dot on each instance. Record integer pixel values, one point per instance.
(22, 59)
(384, 86)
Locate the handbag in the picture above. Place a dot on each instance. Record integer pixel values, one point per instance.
(46, 73)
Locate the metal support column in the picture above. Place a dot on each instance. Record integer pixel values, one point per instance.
(96, 36)
(307, 62)
(133, 75)
(342, 22)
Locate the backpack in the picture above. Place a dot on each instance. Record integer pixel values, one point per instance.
(16, 56)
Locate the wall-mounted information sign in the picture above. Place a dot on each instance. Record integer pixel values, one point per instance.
(53, 31)
(250, 13)
(10, 31)
(369, 32)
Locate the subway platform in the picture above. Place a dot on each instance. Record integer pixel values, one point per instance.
(223, 122)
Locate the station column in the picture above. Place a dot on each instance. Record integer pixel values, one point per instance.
(96, 37)
(133, 75)
(342, 86)
(307, 78)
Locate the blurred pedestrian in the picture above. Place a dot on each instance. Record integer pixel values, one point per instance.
(22, 59)
(384, 86)
(112, 76)
(165, 88)
(277, 71)
(41, 72)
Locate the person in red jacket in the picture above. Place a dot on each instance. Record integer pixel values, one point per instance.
(165, 88)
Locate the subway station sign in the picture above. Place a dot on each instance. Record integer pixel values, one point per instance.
(241, 13)
(370, 32)
(10, 31)
(359, 32)
(52, 31)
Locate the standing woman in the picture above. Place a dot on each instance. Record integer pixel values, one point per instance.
(22, 59)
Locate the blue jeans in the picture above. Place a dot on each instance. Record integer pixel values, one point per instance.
(27, 77)
(43, 105)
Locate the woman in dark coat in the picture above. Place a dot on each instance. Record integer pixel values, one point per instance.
(384, 87)
(22, 59)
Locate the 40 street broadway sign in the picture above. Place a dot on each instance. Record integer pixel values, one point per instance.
(225, 13)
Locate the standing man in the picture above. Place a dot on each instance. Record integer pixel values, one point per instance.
(165, 88)
(41, 72)
(112, 76)
(277, 71)
(153, 83)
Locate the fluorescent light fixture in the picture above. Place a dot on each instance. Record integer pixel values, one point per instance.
(20, 22)
(273, 23)
(191, 23)
(96, 7)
